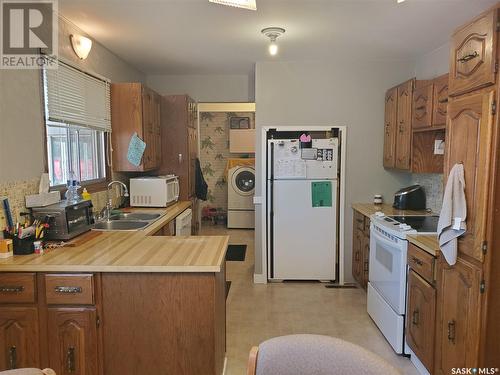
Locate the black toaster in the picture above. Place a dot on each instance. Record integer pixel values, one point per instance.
(410, 198)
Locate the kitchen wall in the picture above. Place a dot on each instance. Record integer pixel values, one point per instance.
(206, 88)
(214, 154)
(348, 93)
(22, 150)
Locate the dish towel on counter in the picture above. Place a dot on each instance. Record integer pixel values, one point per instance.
(451, 224)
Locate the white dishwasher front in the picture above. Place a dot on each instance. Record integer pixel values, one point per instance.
(183, 223)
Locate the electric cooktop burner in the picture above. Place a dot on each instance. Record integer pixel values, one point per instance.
(427, 224)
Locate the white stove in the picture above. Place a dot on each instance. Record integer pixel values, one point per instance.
(387, 275)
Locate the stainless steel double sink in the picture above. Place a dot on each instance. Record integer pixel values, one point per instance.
(127, 221)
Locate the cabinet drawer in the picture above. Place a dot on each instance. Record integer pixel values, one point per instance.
(421, 262)
(17, 288)
(472, 57)
(359, 221)
(67, 289)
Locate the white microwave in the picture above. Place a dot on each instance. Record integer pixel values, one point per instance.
(157, 191)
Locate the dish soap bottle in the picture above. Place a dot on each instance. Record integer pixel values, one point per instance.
(85, 195)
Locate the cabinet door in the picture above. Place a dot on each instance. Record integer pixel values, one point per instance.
(357, 255)
(19, 338)
(473, 55)
(422, 107)
(459, 308)
(403, 135)
(193, 154)
(420, 321)
(391, 108)
(149, 158)
(469, 141)
(72, 334)
(440, 99)
(366, 257)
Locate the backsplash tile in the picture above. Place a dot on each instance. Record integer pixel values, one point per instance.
(17, 190)
(433, 186)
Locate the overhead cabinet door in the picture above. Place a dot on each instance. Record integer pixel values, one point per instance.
(391, 110)
(403, 134)
(469, 138)
(473, 61)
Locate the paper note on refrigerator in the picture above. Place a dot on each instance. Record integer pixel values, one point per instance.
(290, 168)
(136, 149)
(321, 193)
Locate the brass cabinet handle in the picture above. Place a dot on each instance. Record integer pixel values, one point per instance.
(415, 317)
(70, 359)
(12, 357)
(68, 289)
(366, 267)
(359, 221)
(356, 256)
(417, 261)
(451, 331)
(468, 57)
(443, 101)
(420, 107)
(11, 288)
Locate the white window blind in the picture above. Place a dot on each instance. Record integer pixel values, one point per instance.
(76, 98)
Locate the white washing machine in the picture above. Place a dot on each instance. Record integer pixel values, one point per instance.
(240, 192)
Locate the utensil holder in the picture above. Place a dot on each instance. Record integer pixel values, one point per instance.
(22, 246)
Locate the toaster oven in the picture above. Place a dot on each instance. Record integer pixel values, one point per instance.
(66, 220)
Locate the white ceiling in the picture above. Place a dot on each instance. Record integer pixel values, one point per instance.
(198, 37)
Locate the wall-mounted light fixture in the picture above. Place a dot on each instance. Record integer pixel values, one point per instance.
(273, 33)
(81, 45)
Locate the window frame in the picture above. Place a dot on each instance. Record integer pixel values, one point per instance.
(92, 186)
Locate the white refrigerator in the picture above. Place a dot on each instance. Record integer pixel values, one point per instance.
(302, 209)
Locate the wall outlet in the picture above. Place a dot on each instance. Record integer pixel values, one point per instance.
(439, 147)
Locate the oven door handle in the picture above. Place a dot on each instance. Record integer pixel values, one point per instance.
(378, 238)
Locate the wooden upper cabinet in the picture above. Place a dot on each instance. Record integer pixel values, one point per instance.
(390, 127)
(19, 338)
(440, 100)
(458, 318)
(73, 341)
(473, 61)
(403, 133)
(469, 141)
(135, 108)
(420, 322)
(422, 106)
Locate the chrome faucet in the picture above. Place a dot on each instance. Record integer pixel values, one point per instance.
(109, 204)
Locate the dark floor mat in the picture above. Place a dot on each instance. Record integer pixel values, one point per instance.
(236, 253)
(228, 286)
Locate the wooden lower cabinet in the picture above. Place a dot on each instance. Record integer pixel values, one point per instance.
(19, 338)
(72, 336)
(458, 316)
(420, 321)
(360, 249)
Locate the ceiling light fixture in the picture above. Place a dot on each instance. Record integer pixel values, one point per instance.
(245, 4)
(81, 45)
(273, 33)
(401, 1)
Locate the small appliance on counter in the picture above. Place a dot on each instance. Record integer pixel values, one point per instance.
(410, 198)
(154, 191)
(66, 219)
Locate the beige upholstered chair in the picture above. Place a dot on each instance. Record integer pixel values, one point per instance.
(29, 371)
(314, 355)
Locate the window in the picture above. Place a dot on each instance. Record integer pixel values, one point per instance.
(77, 113)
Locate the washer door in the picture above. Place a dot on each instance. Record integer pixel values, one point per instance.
(243, 181)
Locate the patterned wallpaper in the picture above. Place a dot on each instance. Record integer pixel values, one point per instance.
(214, 152)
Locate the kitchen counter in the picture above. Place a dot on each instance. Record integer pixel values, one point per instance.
(368, 209)
(427, 242)
(131, 251)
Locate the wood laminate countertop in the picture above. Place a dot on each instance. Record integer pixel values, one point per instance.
(427, 242)
(368, 209)
(131, 251)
